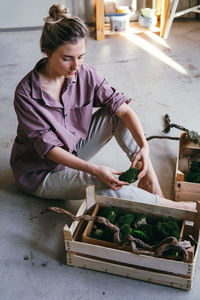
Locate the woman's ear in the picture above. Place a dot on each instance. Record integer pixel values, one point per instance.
(48, 54)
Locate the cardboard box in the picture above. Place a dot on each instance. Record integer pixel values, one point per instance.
(110, 7)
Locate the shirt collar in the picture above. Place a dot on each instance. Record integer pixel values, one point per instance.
(37, 92)
(35, 84)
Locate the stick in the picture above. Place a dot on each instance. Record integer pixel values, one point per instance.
(162, 137)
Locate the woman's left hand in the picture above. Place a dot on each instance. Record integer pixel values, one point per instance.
(141, 161)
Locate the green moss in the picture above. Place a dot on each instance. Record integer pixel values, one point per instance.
(149, 229)
(130, 175)
(141, 235)
(167, 227)
(125, 230)
(194, 173)
(97, 233)
(125, 219)
(109, 212)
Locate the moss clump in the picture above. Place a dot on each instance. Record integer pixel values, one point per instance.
(149, 229)
(139, 234)
(125, 219)
(130, 175)
(109, 212)
(125, 230)
(194, 173)
(167, 227)
(97, 233)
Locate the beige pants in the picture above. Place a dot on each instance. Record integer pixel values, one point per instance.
(71, 184)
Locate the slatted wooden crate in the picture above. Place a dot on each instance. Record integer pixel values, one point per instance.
(164, 271)
(186, 191)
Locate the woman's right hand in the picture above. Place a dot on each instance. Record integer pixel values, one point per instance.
(105, 174)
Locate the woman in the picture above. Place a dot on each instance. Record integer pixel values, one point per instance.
(57, 133)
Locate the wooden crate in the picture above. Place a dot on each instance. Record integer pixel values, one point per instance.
(186, 191)
(121, 262)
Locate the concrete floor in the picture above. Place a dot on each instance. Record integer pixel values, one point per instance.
(163, 77)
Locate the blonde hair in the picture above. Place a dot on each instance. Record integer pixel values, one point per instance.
(61, 28)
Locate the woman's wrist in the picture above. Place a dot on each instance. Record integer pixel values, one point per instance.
(144, 145)
(92, 169)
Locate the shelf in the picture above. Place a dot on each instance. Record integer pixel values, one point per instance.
(134, 27)
(103, 29)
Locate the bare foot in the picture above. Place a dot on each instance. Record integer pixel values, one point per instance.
(150, 182)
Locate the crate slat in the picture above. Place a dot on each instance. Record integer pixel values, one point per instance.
(107, 267)
(69, 231)
(120, 256)
(161, 211)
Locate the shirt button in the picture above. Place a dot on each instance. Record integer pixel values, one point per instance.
(66, 115)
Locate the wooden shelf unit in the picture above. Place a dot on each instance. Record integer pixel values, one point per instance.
(102, 29)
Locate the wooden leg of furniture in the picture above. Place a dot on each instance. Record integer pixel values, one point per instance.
(99, 19)
(163, 7)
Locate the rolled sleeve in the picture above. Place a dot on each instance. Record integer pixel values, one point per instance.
(33, 128)
(45, 142)
(107, 96)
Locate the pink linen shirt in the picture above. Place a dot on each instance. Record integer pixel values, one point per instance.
(44, 122)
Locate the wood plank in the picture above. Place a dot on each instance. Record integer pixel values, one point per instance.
(188, 186)
(179, 176)
(120, 256)
(197, 251)
(187, 147)
(149, 276)
(183, 164)
(197, 222)
(186, 191)
(90, 196)
(147, 208)
(69, 231)
(99, 19)
(89, 226)
(186, 196)
(164, 16)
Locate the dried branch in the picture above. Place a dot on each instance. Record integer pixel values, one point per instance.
(155, 250)
(191, 135)
(162, 137)
(170, 125)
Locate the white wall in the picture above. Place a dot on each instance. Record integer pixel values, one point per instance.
(30, 13)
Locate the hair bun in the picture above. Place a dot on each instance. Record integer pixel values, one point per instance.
(57, 12)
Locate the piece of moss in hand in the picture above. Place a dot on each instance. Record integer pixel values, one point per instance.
(130, 175)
